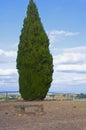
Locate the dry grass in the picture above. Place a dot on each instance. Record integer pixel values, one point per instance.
(58, 115)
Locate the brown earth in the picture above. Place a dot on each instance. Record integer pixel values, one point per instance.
(58, 115)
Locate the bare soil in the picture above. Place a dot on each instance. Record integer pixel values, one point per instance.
(58, 115)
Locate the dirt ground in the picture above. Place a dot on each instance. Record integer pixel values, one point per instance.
(58, 115)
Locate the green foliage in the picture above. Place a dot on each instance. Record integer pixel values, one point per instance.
(81, 95)
(34, 61)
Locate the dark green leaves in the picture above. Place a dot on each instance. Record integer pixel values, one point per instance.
(34, 61)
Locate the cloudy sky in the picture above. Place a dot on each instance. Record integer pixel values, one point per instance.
(65, 24)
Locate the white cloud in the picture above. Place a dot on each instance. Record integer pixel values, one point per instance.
(7, 56)
(58, 35)
(8, 71)
(65, 78)
(80, 49)
(70, 58)
(8, 53)
(70, 66)
(8, 79)
(75, 55)
(62, 32)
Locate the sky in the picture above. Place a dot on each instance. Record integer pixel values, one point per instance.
(65, 24)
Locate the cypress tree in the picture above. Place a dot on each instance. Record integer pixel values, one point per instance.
(34, 61)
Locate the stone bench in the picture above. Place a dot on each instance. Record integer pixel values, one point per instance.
(29, 109)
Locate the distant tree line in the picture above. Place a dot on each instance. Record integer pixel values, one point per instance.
(81, 95)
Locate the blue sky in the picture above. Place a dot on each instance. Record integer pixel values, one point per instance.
(65, 24)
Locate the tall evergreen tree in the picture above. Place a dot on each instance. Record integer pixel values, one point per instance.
(34, 61)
